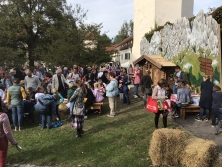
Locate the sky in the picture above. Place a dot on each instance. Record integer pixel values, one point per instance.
(112, 13)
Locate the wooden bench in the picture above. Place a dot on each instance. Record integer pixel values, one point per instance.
(96, 106)
(189, 108)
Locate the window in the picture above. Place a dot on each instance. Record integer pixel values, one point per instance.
(127, 56)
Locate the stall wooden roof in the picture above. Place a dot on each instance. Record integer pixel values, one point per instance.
(157, 60)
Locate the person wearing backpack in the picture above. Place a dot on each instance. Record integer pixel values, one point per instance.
(14, 99)
(111, 92)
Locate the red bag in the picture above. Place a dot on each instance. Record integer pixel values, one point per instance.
(165, 105)
(151, 105)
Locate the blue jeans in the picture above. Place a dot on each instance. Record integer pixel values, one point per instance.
(179, 105)
(47, 118)
(175, 89)
(202, 112)
(126, 97)
(17, 115)
(136, 86)
(40, 118)
(71, 107)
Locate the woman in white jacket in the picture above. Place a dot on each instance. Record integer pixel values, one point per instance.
(159, 93)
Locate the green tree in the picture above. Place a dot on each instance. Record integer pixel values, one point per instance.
(125, 31)
(32, 22)
(9, 58)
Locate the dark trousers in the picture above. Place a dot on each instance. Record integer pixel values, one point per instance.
(126, 97)
(157, 115)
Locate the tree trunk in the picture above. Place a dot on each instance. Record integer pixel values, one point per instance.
(31, 59)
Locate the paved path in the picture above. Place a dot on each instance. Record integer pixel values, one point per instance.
(202, 129)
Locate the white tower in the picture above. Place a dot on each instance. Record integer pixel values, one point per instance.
(147, 13)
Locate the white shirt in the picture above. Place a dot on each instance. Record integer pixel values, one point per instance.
(100, 75)
(2, 94)
(37, 95)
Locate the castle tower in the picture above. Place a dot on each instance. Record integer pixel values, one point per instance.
(147, 13)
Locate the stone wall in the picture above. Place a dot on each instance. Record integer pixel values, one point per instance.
(184, 42)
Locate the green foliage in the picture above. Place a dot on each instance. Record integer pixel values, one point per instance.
(10, 58)
(50, 31)
(125, 31)
(149, 35)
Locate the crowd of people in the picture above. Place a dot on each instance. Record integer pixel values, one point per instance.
(42, 90)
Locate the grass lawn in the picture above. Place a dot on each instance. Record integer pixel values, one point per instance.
(121, 141)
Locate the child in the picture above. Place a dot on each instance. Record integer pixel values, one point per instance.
(97, 94)
(169, 91)
(101, 87)
(89, 85)
(59, 101)
(71, 90)
(216, 108)
(30, 93)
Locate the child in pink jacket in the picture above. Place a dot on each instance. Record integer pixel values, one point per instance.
(97, 93)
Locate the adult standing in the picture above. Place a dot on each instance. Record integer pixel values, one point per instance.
(181, 77)
(7, 80)
(93, 76)
(111, 92)
(74, 75)
(14, 98)
(130, 69)
(31, 80)
(78, 96)
(146, 83)
(159, 94)
(136, 81)
(58, 82)
(205, 98)
(125, 87)
(5, 136)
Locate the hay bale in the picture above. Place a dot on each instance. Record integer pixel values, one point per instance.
(166, 146)
(63, 108)
(198, 153)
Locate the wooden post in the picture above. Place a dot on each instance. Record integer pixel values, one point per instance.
(220, 59)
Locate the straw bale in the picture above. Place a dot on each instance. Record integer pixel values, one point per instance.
(63, 108)
(166, 146)
(199, 153)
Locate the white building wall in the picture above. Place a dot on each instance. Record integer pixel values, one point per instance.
(167, 10)
(144, 20)
(149, 12)
(122, 56)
